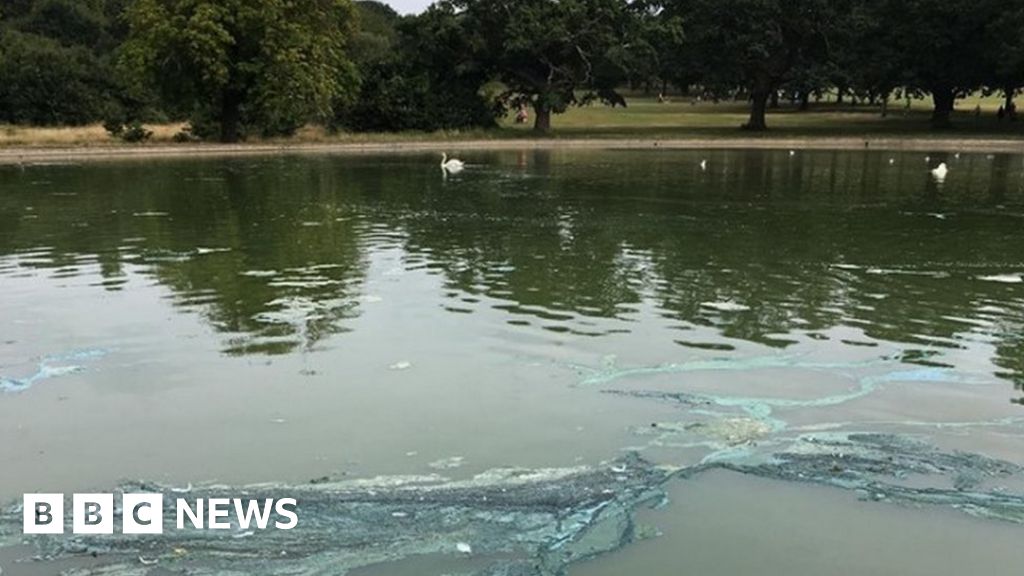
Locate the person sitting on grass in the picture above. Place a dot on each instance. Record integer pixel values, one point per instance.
(522, 115)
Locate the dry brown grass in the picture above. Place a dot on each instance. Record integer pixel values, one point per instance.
(90, 135)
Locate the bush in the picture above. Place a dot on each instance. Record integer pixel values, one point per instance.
(185, 136)
(135, 132)
(45, 83)
(114, 127)
(131, 132)
(397, 96)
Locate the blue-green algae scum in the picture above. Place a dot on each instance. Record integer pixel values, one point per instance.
(569, 362)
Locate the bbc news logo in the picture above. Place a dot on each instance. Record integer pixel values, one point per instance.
(143, 513)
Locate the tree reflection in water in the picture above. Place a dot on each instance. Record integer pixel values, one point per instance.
(762, 247)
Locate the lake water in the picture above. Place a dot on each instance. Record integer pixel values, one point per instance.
(286, 318)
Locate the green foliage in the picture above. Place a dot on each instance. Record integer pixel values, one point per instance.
(45, 83)
(427, 78)
(135, 132)
(376, 34)
(754, 45)
(239, 67)
(653, 56)
(1004, 50)
(55, 61)
(243, 65)
(66, 21)
(552, 54)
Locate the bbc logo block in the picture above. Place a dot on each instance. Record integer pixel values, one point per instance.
(143, 513)
(93, 514)
(43, 514)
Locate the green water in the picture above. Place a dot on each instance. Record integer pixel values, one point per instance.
(285, 318)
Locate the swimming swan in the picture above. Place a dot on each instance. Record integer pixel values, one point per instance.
(940, 172)
(453, 165)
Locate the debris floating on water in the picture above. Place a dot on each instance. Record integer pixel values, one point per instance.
(545, 518)
(184, 490)
(200, 250)
(447, 463)
(727, 306)
(52, 367)
(550, 518)
(1004, 278)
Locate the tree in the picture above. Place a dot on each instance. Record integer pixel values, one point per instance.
(753, 44)
(651, 57)
(552, 54)
(45, 83)
(419, 73)
(55, 61)
(1005, 52)
(241, 65)
(865, 58)
(940, 47)
(376, 33)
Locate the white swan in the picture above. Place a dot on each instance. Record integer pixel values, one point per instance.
(454, 165)
(703, 164)
(940, 172)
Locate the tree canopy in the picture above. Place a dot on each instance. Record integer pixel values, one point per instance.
(232, 68)
(55, 62)
(236, 65)
(551, 54)
(755, 45)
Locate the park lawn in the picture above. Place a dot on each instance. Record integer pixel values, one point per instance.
(643, 118)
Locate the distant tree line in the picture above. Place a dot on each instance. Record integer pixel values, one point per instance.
(234, 68)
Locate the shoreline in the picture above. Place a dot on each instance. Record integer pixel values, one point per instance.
(43, 154)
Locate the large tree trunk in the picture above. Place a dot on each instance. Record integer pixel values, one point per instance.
(774, 102)
(943, 100)
(542, 116)
(1008, 94)
(758, 107)
(839, 94)
(805, 100)
(230, 116)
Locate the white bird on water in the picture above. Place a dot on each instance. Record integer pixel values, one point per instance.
(792, 152)
(454, 165)
(940, 172)
(892, 161)
(703, 164)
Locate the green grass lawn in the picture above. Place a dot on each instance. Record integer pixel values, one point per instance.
(646, 118)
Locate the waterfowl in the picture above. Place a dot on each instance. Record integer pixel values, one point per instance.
(453, 165)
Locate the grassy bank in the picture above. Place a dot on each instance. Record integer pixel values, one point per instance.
(644, 119)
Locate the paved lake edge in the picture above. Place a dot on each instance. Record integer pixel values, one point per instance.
(20, 155)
